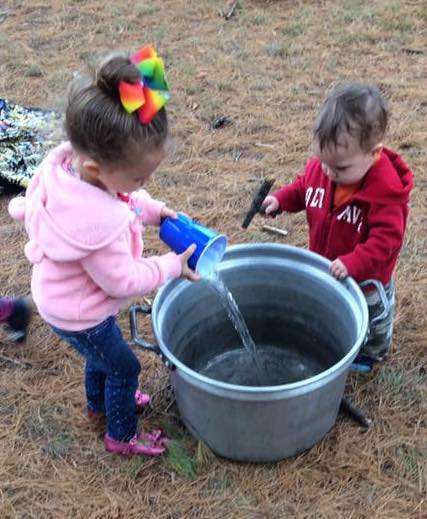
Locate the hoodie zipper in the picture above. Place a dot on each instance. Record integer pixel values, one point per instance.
(330, 215)
(326, 226)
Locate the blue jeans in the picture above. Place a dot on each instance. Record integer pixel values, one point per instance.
(111, 375)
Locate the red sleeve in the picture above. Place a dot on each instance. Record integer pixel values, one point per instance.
(292, 196)
(386, 225)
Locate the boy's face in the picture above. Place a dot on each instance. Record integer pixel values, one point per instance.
(346, 163)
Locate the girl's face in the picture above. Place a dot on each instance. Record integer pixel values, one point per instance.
(346, 163)
(131, 178)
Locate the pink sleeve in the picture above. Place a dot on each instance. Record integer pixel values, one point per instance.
(120, 275)
(150, 208)
(20, 205)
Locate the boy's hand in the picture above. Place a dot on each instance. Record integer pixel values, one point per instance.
(270, 206)
(165, 212)
(187, 273)
(338, 269)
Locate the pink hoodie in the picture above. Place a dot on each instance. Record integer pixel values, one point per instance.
(86, 246)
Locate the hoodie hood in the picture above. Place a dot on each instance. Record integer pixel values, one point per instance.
(389, 181)
(66, 218)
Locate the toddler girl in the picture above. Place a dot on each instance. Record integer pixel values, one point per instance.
(84, 212)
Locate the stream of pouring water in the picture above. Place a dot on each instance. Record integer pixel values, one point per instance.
(216, 284)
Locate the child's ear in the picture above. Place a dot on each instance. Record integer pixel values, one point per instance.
(92, 168)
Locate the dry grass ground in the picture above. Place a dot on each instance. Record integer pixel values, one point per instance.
(267, 69)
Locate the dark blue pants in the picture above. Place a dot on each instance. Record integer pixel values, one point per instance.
(111, 371)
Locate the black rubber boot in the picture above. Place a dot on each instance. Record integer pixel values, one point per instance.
(19, 320)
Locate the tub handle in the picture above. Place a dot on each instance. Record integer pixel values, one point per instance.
(383, 298)
(138, 340)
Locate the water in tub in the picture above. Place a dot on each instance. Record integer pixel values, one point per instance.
(267, 365)
(252, 360)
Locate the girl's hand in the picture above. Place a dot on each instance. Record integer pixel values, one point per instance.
(338, 269)
(270, 206)
(187, 273)
(166, 212)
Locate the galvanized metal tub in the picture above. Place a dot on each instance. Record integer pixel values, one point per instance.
(278, 288)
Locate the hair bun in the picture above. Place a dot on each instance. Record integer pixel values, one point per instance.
(115, 68)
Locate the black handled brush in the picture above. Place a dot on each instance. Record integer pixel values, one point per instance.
(257, 201)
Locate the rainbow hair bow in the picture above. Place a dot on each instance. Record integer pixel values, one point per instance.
(151, 93)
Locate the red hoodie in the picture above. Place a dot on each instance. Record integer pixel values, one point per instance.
(366, 231)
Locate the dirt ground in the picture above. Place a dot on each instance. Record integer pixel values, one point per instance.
(266, 68)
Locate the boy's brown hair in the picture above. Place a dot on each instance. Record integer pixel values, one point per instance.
(356, 109)
(97, 124)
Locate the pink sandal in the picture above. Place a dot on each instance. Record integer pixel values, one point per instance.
(142, 444)
(157, 437)
(142, 400)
